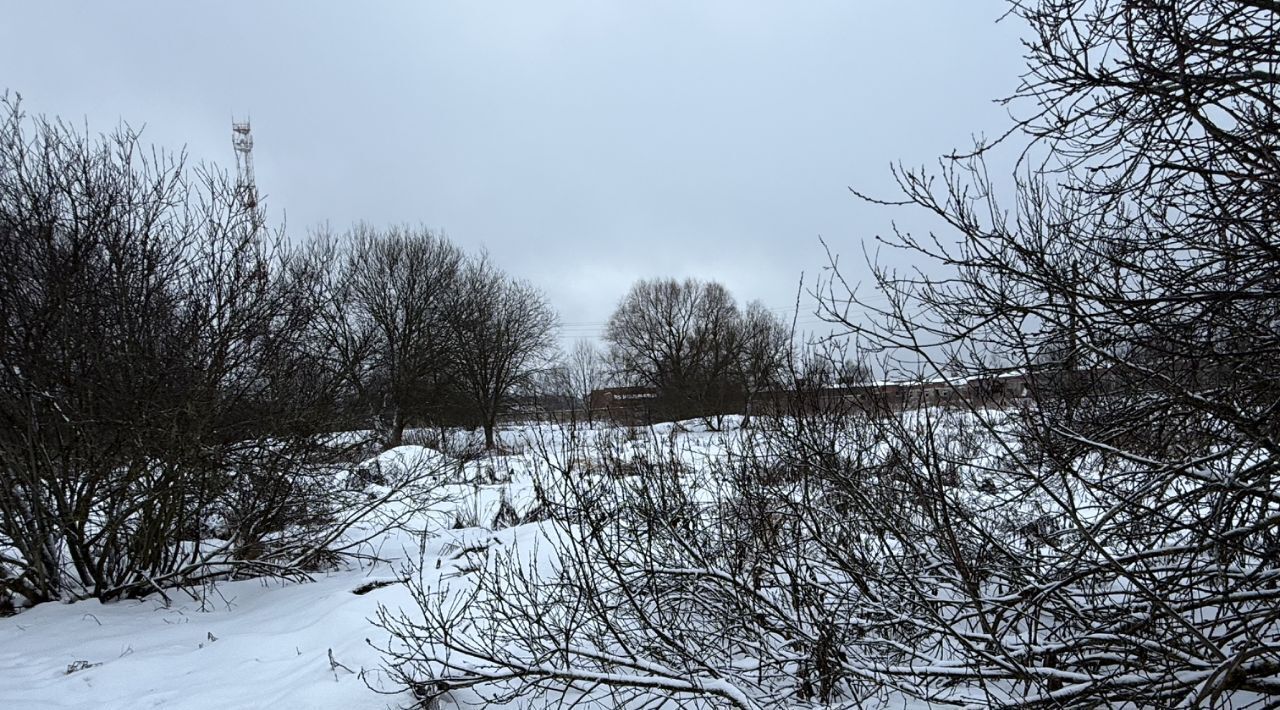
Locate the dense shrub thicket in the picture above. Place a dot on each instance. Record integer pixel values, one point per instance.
(1112, 543)
(169, 370)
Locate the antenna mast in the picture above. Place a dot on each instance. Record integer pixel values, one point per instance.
(242, 141)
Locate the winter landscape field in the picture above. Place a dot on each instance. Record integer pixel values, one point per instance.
(450, 534)
(740, 355)
(315, 642)
(272, 643)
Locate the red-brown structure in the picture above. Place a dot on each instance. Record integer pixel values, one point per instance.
(636, 405)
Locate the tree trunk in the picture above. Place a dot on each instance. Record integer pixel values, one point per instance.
(489, 425)
(395, 436)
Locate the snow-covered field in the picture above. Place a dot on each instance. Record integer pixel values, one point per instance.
(319, 643)
(270, 643)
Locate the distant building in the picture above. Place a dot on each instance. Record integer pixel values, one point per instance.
(642, 405)
(633, 405)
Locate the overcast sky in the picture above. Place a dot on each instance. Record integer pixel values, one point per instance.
(584, 144)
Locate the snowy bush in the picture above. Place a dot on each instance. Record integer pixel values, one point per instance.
(161, 413)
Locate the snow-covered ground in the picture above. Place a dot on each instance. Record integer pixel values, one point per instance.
(250, 644)
(270, 643)
(278, 644)
(470, 523)
(253, 644)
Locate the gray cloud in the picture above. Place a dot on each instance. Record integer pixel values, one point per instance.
(584, 144)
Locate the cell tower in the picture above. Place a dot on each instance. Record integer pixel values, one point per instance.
(242, 141)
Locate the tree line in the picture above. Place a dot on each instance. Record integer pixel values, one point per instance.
(170, 365)
(690, 344)
(170, 368)
(412, 329)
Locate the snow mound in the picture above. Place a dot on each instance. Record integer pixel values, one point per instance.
(406, 462)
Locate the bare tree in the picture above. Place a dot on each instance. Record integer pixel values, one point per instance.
(766, 354)
(1132, 276)
(586, 373)
(154, 431)
(384, 326)
(683, 339)
(502, 332)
